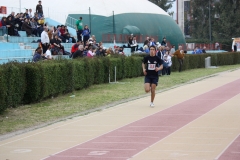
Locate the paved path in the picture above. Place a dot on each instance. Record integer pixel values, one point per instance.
(195, 121)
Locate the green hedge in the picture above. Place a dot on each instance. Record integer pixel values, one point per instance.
(23, 83)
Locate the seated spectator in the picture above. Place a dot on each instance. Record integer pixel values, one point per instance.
(134, 44)
(109, 51)
(75, 47)
(164, 42)
(121, 51)
(26, 15)
(79, 52)
(3, 25)
(48, 54)
(146, 46)
(35, 31)
(152, 42)
(73, 40)
(101, 52)
(26, 26)
(93, 38)
(30, 13)
(204, 49)
(116, 50)
(50, 34)
(10, 25)
(37, 55)
(91, 53)
(18, 21)
(57, 48)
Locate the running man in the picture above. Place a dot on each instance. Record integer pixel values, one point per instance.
(151, 72)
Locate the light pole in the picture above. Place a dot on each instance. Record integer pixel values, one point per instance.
(210, 32)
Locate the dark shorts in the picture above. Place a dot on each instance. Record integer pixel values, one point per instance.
(151, 80)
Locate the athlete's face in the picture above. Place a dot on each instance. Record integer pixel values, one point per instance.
(152, 51)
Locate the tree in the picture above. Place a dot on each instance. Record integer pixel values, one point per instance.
(164, 4)
(225, 23)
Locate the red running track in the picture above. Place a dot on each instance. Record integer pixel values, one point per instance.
(127, 141)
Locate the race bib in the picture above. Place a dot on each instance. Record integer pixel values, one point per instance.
(151, 66)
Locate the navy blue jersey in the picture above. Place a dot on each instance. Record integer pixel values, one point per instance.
(152, 63)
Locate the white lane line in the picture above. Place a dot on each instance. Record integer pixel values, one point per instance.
(88, 157)
(130, 137)
(227, 147)
(186, 124)
(206, 132)
(79, 129)
(33, 147)
(152, 127)
(94, 125)
(198, 138)
(122, 142)
(57, 141)
(141, 131)
(182, 151)
(70, 135)
(106, 149)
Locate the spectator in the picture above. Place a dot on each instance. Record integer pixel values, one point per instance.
(18, 21)
(217, 46)
(26, 15)
(70, 38)
(78, 53)
(164, 42)
(204, 49)
(100, 51)
(26, 26)
(50, 34)
(172, 50)
(30, 13)
(180, 56)
(48, 54)
(86, 34)
(75, 47)
(37, 56)
(130, 42)
(109, 51)
(10, 26)
(45, 39)
(134, 44)
(91, 53)
(167, 63)
(3, 25)
(146, 47)
(79, 29)
(39, 9)
(57, 48)
(121, 52)
(152, 42)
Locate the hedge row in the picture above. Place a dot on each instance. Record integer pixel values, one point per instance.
(23, 83)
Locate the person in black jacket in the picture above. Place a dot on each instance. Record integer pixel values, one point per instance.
(39, 9)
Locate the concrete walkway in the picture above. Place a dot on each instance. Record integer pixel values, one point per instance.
(206, 137)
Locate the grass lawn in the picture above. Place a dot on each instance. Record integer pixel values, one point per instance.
(91, 99)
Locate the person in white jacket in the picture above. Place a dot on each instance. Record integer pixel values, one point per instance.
(167, 63)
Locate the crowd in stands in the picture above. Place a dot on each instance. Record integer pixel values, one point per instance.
(28, 21)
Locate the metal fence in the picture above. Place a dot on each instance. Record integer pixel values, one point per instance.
(123, 38)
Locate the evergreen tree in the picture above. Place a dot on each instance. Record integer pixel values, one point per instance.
(164, 4)
(225, 23)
